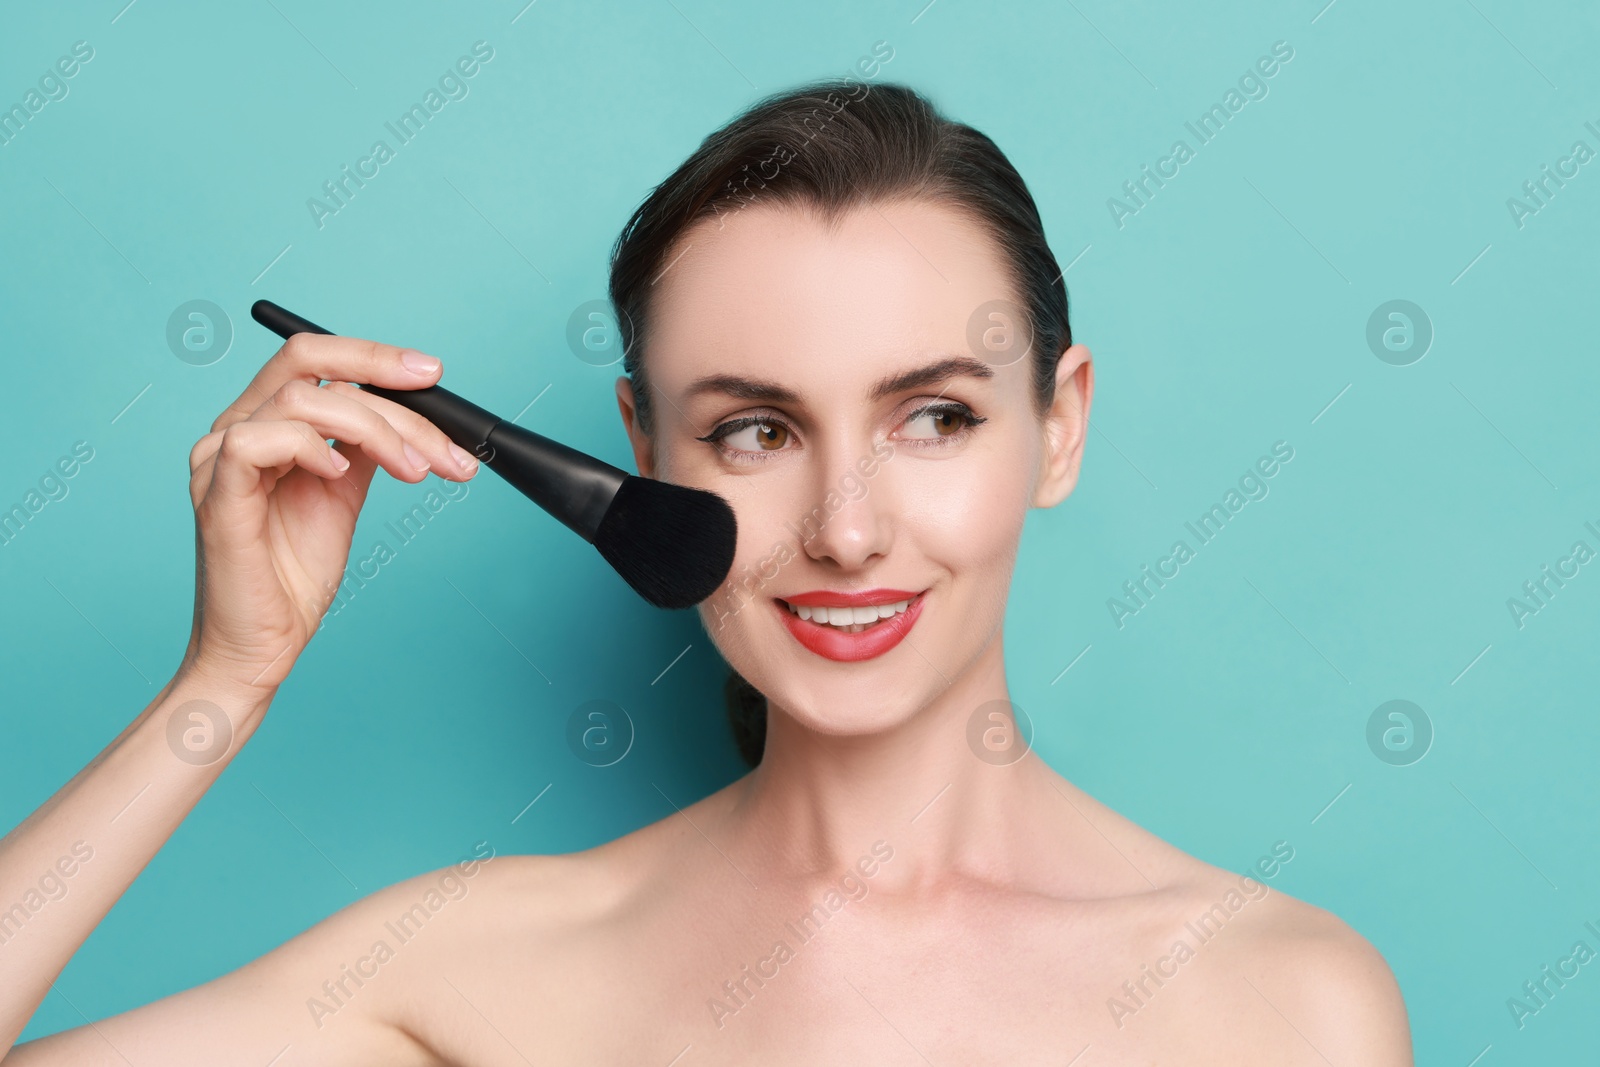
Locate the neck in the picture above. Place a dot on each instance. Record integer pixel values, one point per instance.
(818, 802)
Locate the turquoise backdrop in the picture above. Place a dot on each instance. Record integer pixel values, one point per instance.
(1442, 450)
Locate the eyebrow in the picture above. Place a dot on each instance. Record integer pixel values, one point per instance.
(916, 378)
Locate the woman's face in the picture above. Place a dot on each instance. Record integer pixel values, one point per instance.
(784, 356)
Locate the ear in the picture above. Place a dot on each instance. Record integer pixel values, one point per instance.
(1065, 427)
(643, 450)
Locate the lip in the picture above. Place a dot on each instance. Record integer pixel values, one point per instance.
(844, 647)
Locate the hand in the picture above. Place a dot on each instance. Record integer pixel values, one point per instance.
(275, 507)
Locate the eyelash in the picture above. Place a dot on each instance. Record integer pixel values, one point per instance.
(739, 455)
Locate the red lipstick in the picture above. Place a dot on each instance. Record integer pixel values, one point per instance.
(835, 644)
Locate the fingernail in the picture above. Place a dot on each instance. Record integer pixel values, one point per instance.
(463, 459)
(339, 460)
(417, 459)
(419, 364)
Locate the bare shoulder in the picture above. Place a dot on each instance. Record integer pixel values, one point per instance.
(1282, 980)
(401, 974)
(362, 985)
(566, 890)
(570, 905)
(1314, 988)
(1309, 965)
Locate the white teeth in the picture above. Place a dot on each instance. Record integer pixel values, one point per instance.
(851, 619)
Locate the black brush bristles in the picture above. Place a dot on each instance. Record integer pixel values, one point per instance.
(672, 543)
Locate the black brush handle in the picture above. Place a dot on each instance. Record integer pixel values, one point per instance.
(463, 422)
(571, 485)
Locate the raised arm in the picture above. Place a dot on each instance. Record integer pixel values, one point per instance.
(275, 510)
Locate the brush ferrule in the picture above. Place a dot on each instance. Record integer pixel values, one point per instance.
(571, 485)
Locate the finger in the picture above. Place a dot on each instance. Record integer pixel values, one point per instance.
(358, 475)
(316, 358)
(446, 458)
(248, 448)
(300, 400)
(204, 449)
(200, 464)
(337, 415)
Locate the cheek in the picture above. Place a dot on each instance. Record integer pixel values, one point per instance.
(771, 521)
(767, 550)
(967, 516)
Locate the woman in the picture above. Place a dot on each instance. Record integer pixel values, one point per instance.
(841, 314)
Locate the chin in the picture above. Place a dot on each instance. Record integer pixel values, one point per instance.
(819, 710)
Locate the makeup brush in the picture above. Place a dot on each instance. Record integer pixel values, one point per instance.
(673, 544)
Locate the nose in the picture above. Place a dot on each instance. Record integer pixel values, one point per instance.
(850, 521)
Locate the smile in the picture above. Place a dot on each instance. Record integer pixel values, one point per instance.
(850, 620)
(850, 626)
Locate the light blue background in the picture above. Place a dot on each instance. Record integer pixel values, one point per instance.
(1227, 314)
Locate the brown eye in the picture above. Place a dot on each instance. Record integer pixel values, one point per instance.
(947, 421)
(750, 436)
(771, 436)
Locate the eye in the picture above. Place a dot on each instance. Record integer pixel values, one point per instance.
(944, 422)
(754, 434)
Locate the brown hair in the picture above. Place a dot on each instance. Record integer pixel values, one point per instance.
(829, 146)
